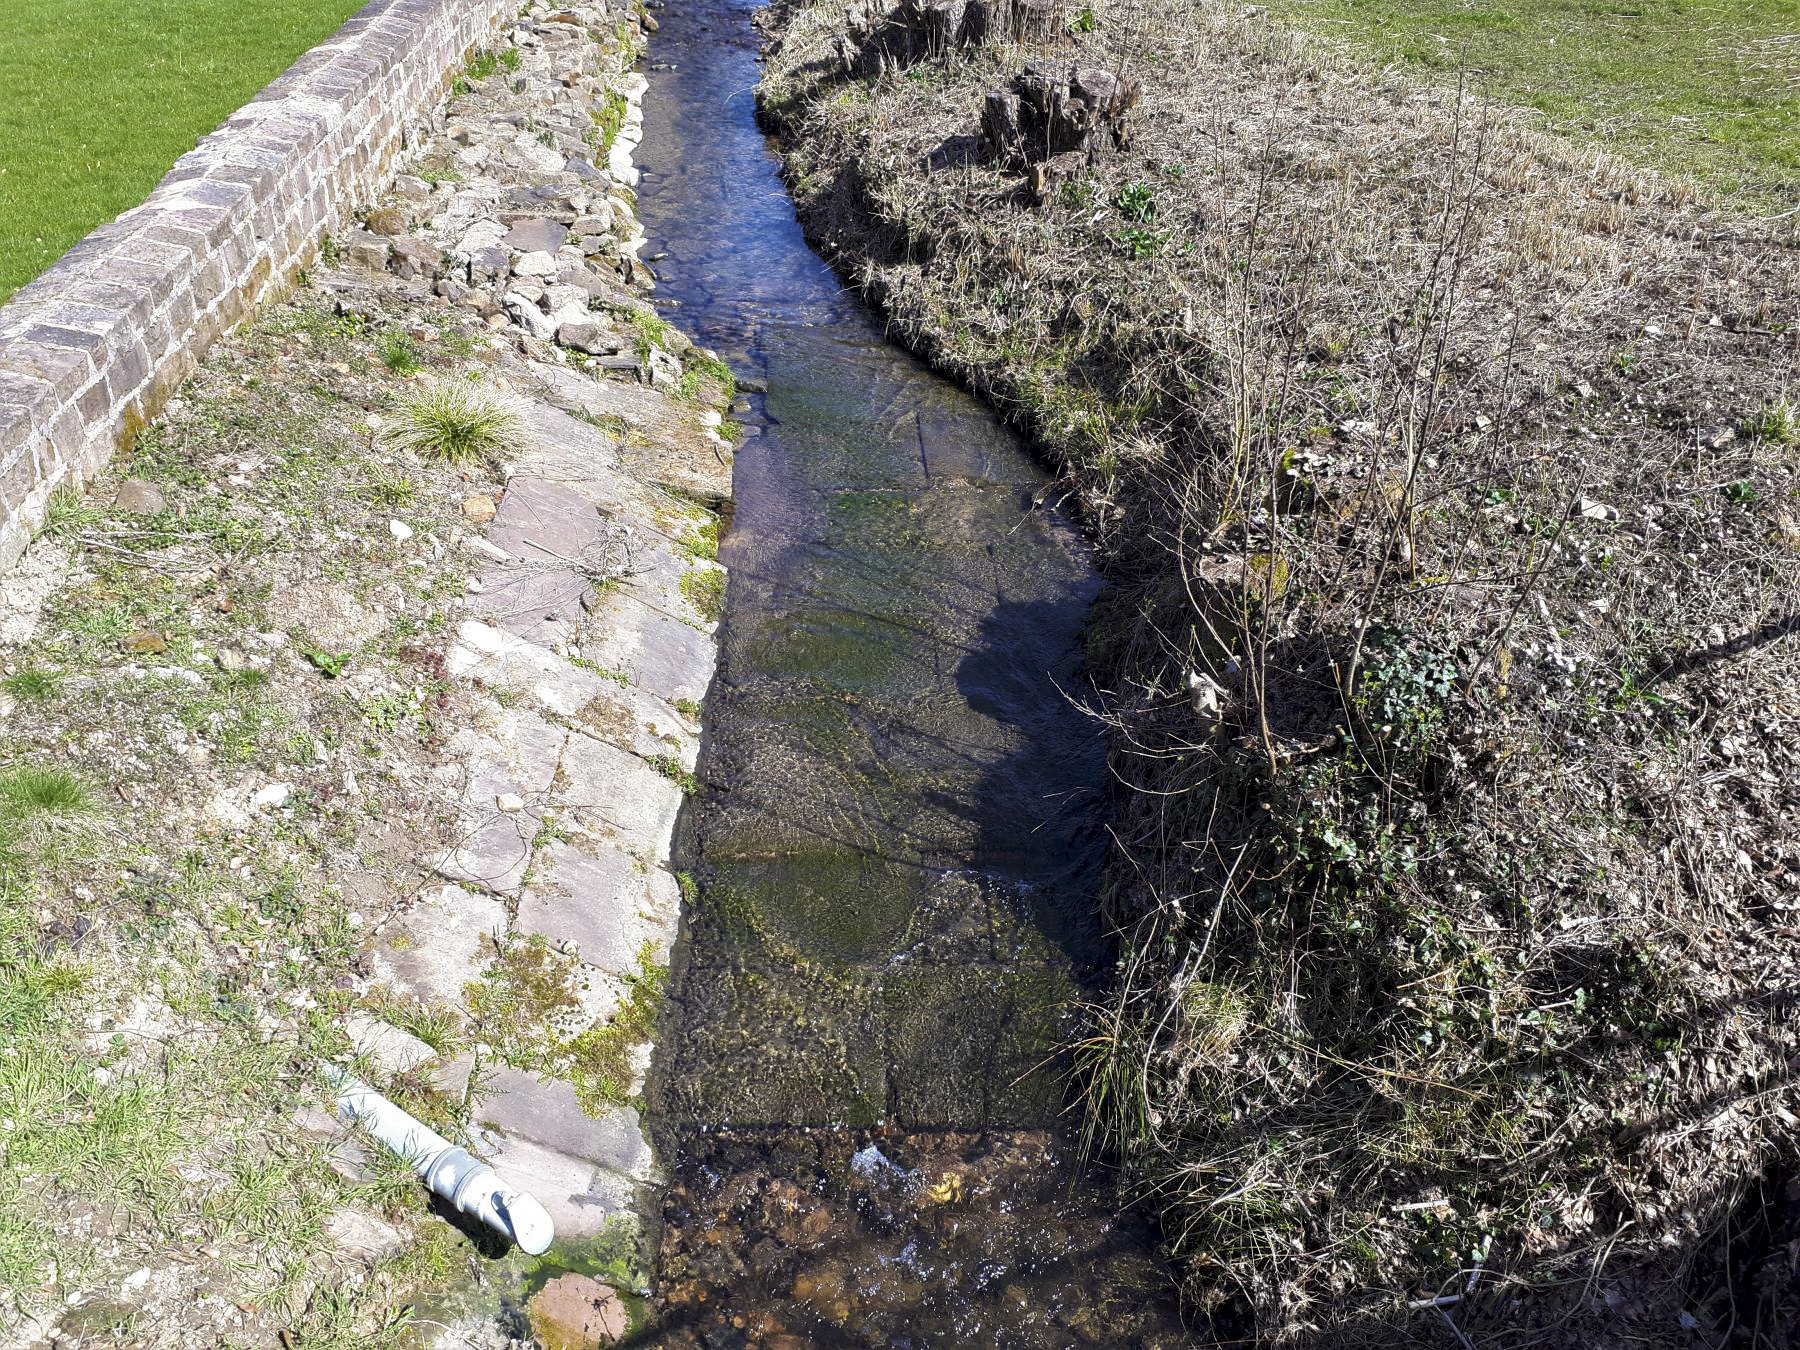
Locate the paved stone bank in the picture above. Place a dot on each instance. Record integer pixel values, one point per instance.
(549, 613)
(94, 347)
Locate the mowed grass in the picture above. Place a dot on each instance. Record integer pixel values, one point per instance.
(1703, 87)
(98, 98)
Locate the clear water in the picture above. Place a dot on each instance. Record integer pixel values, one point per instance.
(860, 1090)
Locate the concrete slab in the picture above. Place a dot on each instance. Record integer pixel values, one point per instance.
(442, 945)
(387, 1047)
(523, 1106)
(579, 1197)
(660, 653)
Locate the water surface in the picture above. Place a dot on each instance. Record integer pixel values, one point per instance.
(860, 1091)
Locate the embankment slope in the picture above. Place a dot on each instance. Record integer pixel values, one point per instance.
(1446, 477)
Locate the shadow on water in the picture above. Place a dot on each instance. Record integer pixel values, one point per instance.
(860, 1090)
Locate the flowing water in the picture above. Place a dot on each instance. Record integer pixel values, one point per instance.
(860, 1093)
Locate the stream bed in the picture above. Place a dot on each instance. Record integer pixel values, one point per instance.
(860, 1093)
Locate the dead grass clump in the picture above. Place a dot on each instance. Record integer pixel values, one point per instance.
(1450, 660)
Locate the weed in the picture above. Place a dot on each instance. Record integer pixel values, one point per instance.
(454, 421)
(670, 767)
(385, 488)
(329, 664)
(1136, 202)
(703, 543)
(688, 708)
(399, 353)
(1139, 243)
(654, 332)
(601, 1058)
(1777, 422)
(609, 120)
(32, 792)
(439, 1027)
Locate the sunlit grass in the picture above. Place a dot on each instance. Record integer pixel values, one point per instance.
(98, 98)
(1702, 89)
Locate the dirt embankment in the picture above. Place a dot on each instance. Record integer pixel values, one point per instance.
(1447, 480)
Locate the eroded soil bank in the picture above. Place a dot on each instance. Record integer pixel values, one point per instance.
(861, 1088)
(1446, 480)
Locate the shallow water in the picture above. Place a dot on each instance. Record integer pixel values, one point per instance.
(860, 1090)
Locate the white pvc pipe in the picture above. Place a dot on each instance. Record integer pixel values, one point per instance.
(454, 1173)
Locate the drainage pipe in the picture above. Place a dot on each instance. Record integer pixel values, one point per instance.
(454, 1173)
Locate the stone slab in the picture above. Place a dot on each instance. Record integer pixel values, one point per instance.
(602, 902)
(615, 796)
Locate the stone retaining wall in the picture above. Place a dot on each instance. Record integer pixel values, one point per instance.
(93, 348)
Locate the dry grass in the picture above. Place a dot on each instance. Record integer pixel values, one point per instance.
(1450, 657)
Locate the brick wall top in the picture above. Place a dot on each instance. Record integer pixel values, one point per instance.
(94, 347)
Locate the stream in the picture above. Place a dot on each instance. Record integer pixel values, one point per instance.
(860, 1093)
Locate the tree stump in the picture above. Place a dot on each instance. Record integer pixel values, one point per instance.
(1056, 121)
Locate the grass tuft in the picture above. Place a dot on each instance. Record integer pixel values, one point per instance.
(453, 421)
(36, 793)
(33, 685)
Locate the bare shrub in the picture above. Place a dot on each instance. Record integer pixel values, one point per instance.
(1449, 657)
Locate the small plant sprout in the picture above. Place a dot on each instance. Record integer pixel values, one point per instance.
(454, 421)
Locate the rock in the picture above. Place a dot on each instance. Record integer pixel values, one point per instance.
(413, 257)
(536, 235)
(274, 796)
(649, 23)
(542, 265)
(146, 643)
(577, 1312)
(482, 234)
(386, 220)
(411, 188)
(400, 530)
(590, 338)
(366, 251)
(489, 265)
(329, 615)
(138, 498)
(453, 291)
(1587, 509)
(363, 1236)
(509, 802)
(534, 156)
(478, 507)
(525, 312)
(597, 222)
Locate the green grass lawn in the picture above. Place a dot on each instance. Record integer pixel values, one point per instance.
(1707, 87)
(99, 97)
